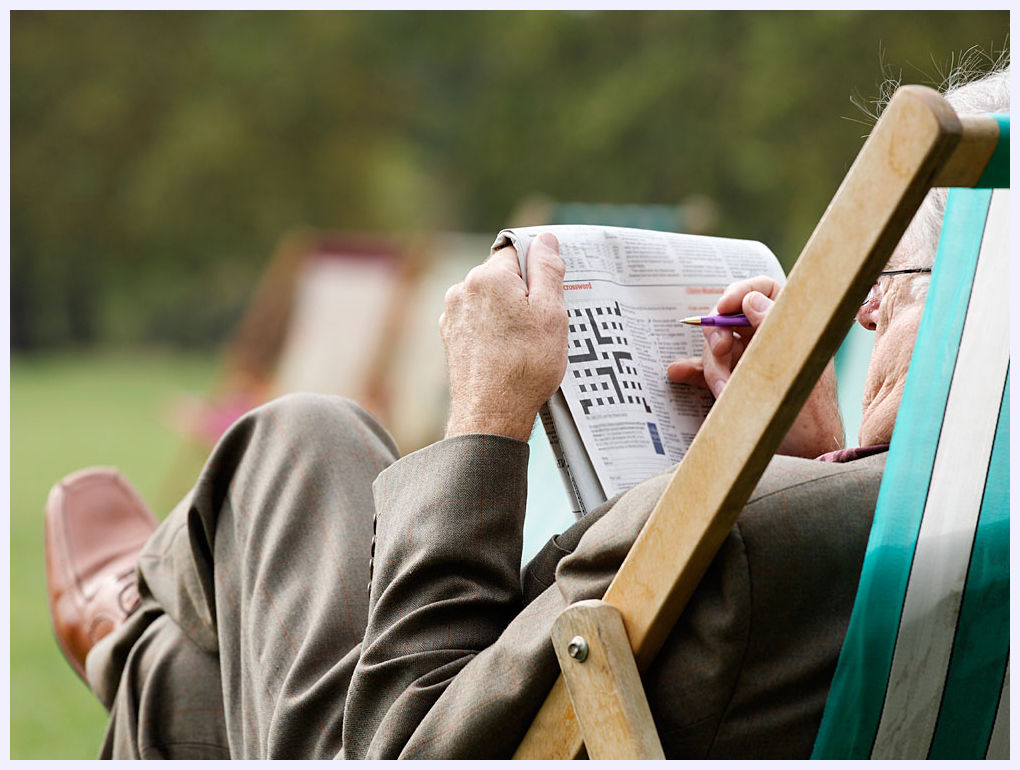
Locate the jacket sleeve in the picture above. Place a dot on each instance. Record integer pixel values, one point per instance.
(445, 581)
(454, 665)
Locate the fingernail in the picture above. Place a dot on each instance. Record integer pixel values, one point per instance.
(549, 241)
(719, 385)
(758, 301)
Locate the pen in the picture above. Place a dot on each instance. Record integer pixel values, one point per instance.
(736, 319)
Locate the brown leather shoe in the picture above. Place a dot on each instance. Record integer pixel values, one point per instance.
(96, 525)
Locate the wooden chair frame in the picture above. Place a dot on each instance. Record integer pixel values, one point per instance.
(919, 143)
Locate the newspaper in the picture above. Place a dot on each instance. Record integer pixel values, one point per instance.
(615, 419)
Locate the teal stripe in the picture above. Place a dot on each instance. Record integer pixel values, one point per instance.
(854, 705)
(976, 668)
(996, 173)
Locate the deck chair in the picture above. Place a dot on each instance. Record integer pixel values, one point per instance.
(598, 704)
(924, 670)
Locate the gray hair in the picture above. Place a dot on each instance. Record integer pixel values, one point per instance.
(968, 97)
(971, 89)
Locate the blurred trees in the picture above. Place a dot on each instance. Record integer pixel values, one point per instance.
(157, 158)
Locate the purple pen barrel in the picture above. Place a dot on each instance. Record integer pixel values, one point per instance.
(738, 319)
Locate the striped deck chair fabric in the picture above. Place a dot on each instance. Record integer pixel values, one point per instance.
(924, 669)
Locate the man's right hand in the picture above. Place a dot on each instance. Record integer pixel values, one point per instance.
(506, 341)
(819, 427)
(725, 345)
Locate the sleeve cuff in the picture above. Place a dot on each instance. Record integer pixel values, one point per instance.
(459, 499)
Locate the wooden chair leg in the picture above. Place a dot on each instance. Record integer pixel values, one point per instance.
(604, 684)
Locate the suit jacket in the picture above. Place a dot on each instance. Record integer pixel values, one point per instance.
(456, 658)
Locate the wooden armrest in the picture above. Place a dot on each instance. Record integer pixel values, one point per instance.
(604, 684)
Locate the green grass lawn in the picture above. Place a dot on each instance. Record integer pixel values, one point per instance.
(69, 411)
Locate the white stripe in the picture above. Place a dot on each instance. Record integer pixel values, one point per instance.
(932, 602)
(998, 744)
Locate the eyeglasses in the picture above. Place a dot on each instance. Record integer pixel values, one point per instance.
(906, 270)
(903, 271)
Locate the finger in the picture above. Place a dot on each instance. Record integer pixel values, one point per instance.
(505, 258)
(545, 270)
(688, 371)
(756, 306)
(716, 373)
(477, 278)
(731, 299)
(739, 345)
(499, 274)
(719, 341)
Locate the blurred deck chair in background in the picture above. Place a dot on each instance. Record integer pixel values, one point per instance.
(348, 304)
(351, 314)
(923, 672)
(315, 322)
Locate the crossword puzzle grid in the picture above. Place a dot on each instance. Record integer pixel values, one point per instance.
(598, 359)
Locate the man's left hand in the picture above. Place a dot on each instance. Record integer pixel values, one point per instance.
(506, 341)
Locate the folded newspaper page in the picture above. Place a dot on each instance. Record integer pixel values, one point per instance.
(616, 419)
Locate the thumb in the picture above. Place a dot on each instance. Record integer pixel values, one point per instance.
(756, 306)
(545, 269)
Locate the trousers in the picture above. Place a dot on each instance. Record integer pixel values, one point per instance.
(257, 580)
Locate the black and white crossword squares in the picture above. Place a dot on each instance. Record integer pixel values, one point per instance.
(603, 370)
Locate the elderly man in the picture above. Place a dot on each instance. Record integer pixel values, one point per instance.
(317, 596)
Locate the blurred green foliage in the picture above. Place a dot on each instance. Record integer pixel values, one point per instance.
(157, 158)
